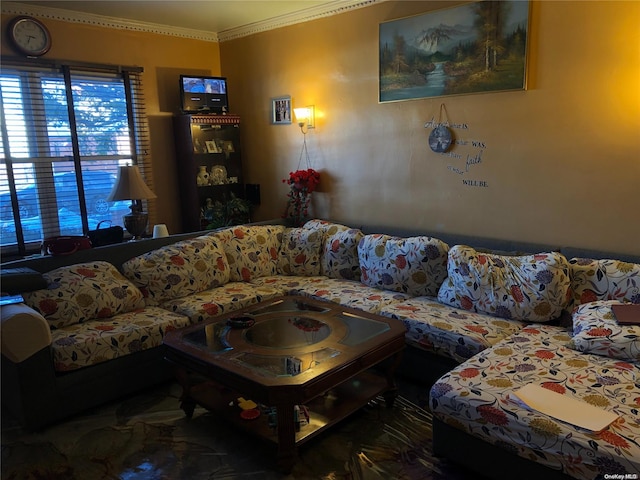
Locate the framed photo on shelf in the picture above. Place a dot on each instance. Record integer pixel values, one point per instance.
(281, 110)
(227, 146)
(212, 146)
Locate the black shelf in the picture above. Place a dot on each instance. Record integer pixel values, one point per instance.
(207, 141)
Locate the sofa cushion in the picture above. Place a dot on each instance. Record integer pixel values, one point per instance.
(179, 269)
(82, 292)
(299, 252)
(97, 341)
(210, 304)
(477, 398)
(252, 251)
(414, 265)
(340, 253)
(350, 293)
(448, 331)
(288, 284)
(532, 288)
(593, 280)
(316, 224)
(324, 225)
(596, 331)
(340, 250)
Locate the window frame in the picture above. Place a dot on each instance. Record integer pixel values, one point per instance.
(44, 161)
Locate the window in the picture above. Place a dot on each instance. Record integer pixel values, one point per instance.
(65, 131)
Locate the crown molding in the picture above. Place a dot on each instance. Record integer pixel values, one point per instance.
(14, 8)
(326, 10)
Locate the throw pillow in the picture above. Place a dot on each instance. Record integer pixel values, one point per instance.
(413, 265)
(327, 227)
(180, 269)
(299, 252)
(340, 253)
(82, 292)
(252, 251)
(593, 280)
(532, 288)
(596, 330)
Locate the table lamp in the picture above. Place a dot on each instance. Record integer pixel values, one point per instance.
(130, 186)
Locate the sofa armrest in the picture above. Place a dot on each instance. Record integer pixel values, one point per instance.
(23, 332)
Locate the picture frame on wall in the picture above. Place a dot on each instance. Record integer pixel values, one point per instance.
(477, 47)
(281, 110)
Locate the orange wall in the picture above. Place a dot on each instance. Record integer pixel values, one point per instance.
(163, 58)
(562, 159)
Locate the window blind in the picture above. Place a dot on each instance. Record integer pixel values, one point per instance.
(65, 131)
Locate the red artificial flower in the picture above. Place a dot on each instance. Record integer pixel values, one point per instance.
(306, 180)
(303, 183)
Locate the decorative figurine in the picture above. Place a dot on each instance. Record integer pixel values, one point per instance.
(203, 176)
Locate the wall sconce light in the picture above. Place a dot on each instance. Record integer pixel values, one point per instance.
(305, 116)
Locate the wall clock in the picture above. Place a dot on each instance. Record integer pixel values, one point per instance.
(29, 36)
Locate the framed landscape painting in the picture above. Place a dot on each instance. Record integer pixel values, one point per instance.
(473, 48)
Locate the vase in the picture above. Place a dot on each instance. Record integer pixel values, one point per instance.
(203, 176)
(297, 212)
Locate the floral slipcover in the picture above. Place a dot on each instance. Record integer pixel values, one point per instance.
(299, 252)
(476, 397)
(414, 265)
(593, 280)
(210, 304)
(289, 284)
(324, 225)
(82, 292)
(339, 257)
(340, 253)
(252, 251)
(448, 331)
(532, 288)
(100, 340)
(596, 330)
(179, 269)
(351, 293)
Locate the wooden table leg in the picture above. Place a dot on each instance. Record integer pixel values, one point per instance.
(392, 393)
(286, 438)
(187, 404)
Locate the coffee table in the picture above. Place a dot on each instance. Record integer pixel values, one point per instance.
(300, 355)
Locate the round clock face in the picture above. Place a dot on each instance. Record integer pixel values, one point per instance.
(30, 36)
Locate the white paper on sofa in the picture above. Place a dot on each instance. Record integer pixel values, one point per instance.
(565, 408)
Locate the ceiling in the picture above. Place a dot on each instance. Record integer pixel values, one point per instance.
(204, 15)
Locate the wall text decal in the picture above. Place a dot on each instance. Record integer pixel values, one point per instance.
(468, 159)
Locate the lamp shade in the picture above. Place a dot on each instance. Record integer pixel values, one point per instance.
(130, 185)
(302, 114)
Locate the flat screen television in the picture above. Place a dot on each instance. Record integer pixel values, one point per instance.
(203, 94)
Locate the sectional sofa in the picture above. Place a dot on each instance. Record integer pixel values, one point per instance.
(480, 323)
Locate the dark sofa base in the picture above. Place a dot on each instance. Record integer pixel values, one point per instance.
(486, 459)
(424, 367)
(37, 397)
